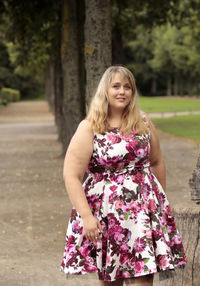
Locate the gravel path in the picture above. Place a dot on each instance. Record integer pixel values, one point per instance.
(171, 114)
(34, 207)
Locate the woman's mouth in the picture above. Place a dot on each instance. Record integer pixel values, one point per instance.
(121, 99)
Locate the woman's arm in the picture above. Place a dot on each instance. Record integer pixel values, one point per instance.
(157, 164)
(75, 164)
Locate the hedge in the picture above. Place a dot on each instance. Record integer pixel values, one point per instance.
(9, 95)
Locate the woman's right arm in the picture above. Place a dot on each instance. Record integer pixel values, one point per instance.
(76, 161)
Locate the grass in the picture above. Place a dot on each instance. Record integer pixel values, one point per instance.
(182, 126)
(166, 104)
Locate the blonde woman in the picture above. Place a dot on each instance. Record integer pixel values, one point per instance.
(121, 224)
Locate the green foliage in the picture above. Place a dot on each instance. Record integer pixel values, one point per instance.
(128, 14)
(174, 50)
(139, 52)
(6, 69)
(183, 126)
(10, 95)
(161, 44)
(3, 99)
(4, 56)
(168, 55)
(29, 31)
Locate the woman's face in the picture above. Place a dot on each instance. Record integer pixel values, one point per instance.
(119, 92)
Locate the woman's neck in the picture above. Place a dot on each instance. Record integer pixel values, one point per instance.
(114, 120)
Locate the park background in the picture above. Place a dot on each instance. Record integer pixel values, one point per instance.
(55, 52)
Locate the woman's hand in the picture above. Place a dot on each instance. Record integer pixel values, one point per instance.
(92, 228)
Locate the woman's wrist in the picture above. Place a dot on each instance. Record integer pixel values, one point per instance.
(87, 215)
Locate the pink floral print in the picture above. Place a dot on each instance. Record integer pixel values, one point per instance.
(139, 232)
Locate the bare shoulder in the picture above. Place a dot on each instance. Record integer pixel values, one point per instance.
(83, 135)
(79, 150)
(84, 126)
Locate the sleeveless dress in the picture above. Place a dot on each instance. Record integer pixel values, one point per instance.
(139, 232)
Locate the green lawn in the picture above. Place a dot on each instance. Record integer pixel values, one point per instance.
(165, 104)
(183, 126)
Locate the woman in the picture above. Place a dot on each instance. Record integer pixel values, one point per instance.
(121, 224)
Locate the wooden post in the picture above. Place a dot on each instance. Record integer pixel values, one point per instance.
(194, 183)
(187, 219)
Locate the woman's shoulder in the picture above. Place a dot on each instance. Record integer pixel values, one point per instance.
(84, 126)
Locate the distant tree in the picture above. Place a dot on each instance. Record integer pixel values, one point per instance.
(27, 54)
(127, 15)
(137, 53)
(5, 66)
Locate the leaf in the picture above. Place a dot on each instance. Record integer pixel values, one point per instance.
(146, 269)
(126, 215)
(146, 260)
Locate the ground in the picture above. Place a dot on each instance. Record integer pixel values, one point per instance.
(34, 207)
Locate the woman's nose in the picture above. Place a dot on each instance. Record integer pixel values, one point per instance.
(121, 90)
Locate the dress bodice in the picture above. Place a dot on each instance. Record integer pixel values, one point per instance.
(118, 153)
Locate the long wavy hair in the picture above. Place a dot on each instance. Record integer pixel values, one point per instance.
(132, 118)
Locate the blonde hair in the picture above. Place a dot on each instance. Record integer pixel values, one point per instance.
(99, 107)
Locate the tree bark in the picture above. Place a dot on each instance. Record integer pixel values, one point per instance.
(73, 68)
(117, 46)
(188, 223)
(58, 97)
(189, 87)
(49, 85)
(97, 42)
(181, 85)
(169, 91)
(58, 78)
(176, 84)
(154, 86)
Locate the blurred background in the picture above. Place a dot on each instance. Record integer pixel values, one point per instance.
(52, 55)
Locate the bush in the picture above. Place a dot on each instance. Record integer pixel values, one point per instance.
(10, 94)
(3, 100)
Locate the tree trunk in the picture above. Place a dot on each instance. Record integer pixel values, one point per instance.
(188, 223)
(117, 46)
(169, 91)
(189, 87)
(73, 68)
(154, 86)
(176, 84)
(49, 85)
(97, 42)
(58, 97)
(58, 79)
(181, 85)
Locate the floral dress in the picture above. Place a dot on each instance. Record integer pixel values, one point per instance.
(139, 233)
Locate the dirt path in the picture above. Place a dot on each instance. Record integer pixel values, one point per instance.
(171, 114)
(34, 207)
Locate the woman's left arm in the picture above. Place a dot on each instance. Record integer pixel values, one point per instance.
(157, 163)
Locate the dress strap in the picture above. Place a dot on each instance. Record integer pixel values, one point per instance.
(146, 120)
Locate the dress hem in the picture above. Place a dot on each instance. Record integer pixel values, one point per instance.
(163, 273)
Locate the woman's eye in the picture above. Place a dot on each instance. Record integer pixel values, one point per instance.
(127, 87)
